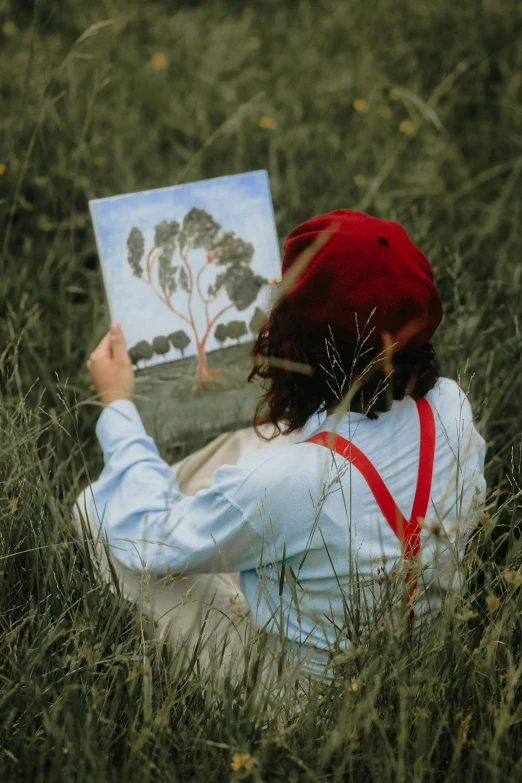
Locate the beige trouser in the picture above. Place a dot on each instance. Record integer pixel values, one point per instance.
(174, 610)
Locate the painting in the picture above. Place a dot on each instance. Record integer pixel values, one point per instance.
(188, 272)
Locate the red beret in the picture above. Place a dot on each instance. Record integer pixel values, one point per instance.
(366, 264)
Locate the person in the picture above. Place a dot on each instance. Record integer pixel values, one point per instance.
(361, 477)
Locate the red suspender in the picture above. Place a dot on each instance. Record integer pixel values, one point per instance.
(407, 531)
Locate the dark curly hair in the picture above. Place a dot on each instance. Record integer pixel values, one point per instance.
(332, 368)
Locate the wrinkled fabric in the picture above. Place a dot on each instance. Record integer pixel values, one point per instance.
(302, 500)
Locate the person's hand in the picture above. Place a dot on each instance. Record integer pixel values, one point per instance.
(111, 369)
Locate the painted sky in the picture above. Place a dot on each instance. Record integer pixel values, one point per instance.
(240, 203)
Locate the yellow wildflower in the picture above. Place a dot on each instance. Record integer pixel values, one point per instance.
(13, 502)
(241, 760)
(493, 602)
(360, 180)
(385, 112)
(159, 60)
(360, 105)
(266, 122)
(355, 687)
(513, 577)
(9, 29)
(407, 126)
(2, 168)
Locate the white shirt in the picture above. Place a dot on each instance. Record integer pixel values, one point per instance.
(303, 498)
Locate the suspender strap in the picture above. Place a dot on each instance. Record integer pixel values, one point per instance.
(407, 531)
(426, 459)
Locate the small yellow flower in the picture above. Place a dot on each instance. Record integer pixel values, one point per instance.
(241, 760)
(407, 126)
(99, 160)
(385, 112)
(513, 577)
(2, 168)
(355, 687)
(9, 29)
(266, 122)
(493, 602)
(159, 60)
(360, 180)
(360, 105)
(13, 502)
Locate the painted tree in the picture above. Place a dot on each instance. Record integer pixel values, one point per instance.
(236, 330)
(257, 320)
(180, 340)
(161, 345)
(221, 334)
(167, 268)
(134, 356)
(142, 351)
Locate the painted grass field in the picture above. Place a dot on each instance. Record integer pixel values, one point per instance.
(407, 110)
(180, 413)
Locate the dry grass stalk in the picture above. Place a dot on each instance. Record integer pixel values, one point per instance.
(302, 261)
(285, 364)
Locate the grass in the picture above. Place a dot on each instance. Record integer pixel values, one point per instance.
(408, 111)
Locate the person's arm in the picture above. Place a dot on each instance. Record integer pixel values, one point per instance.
(148, 522)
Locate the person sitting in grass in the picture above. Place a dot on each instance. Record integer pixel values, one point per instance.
(348, 503)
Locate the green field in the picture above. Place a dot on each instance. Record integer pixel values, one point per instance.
(407, 110)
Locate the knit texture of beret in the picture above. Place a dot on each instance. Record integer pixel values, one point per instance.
(367, 264)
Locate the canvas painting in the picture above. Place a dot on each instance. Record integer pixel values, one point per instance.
(188, 273)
